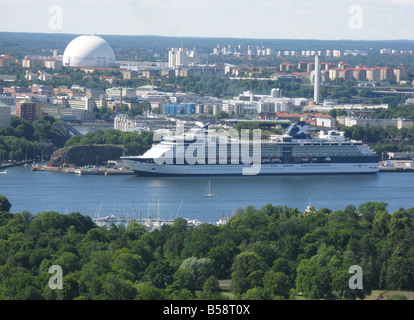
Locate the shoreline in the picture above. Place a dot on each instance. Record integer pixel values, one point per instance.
(124, 171)
(13, 164)
(100, 170)
(409, 170)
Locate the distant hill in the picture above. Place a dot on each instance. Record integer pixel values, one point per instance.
(25, 43)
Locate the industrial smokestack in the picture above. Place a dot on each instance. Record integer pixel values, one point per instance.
(317, 80)
(120, 99)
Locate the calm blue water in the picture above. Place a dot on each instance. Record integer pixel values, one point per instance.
(184, 196)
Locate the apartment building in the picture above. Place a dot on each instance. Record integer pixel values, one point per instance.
(364, 122)
(29, 110)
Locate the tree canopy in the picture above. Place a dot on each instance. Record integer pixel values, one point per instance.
(24, 140)
(273, 252)
(135, 143)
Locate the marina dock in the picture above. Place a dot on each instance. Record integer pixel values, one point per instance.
(151, 222)
(96, 170)
(396, 166)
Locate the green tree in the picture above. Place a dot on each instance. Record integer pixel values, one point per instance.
(306, 272)
(5, 205)
(257, 293)
(68, 261)
(211, 290)
(340, 286)
(118, 289)
(127, 265)
(183, 279)
(147, 291)
(17, 286)
(282, 265)
(202, 269)
(160, 273)
(70, 289)
(222, 258)
(277, 283)
(381, 225)
(221, 115)
(368, 210)
(322, 283)
(399, 273)
(399, 225)
(245, 263)
(182, 294)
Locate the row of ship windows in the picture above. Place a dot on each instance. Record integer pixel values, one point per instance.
(327, 155)
(315, 165)
(197, 168)
(293, 155)
(272, 149)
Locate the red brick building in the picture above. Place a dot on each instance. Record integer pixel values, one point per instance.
(28, 110)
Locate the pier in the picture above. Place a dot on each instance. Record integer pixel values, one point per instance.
(396, 166)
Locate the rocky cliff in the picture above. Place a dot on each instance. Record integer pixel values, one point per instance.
(84, 155)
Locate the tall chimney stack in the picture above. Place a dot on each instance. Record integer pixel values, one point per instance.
(317, 80)
(120, 99)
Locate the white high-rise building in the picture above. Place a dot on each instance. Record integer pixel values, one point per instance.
(171, 58)
(336, 53)
(275, 93)
(182, 57)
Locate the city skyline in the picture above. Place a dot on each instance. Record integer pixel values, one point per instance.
(263, 19)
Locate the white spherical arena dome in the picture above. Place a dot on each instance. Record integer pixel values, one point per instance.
(88, 51)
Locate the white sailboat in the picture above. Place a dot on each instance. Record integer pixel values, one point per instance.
(25, 159)
(208, 193)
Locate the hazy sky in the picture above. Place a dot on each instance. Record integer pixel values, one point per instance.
(277, 19)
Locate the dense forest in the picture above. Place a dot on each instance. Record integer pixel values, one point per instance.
(269, 253)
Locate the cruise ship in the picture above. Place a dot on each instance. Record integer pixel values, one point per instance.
(295, 152)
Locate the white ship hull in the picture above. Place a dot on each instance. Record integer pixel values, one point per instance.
(152, 169)
(293, 153)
